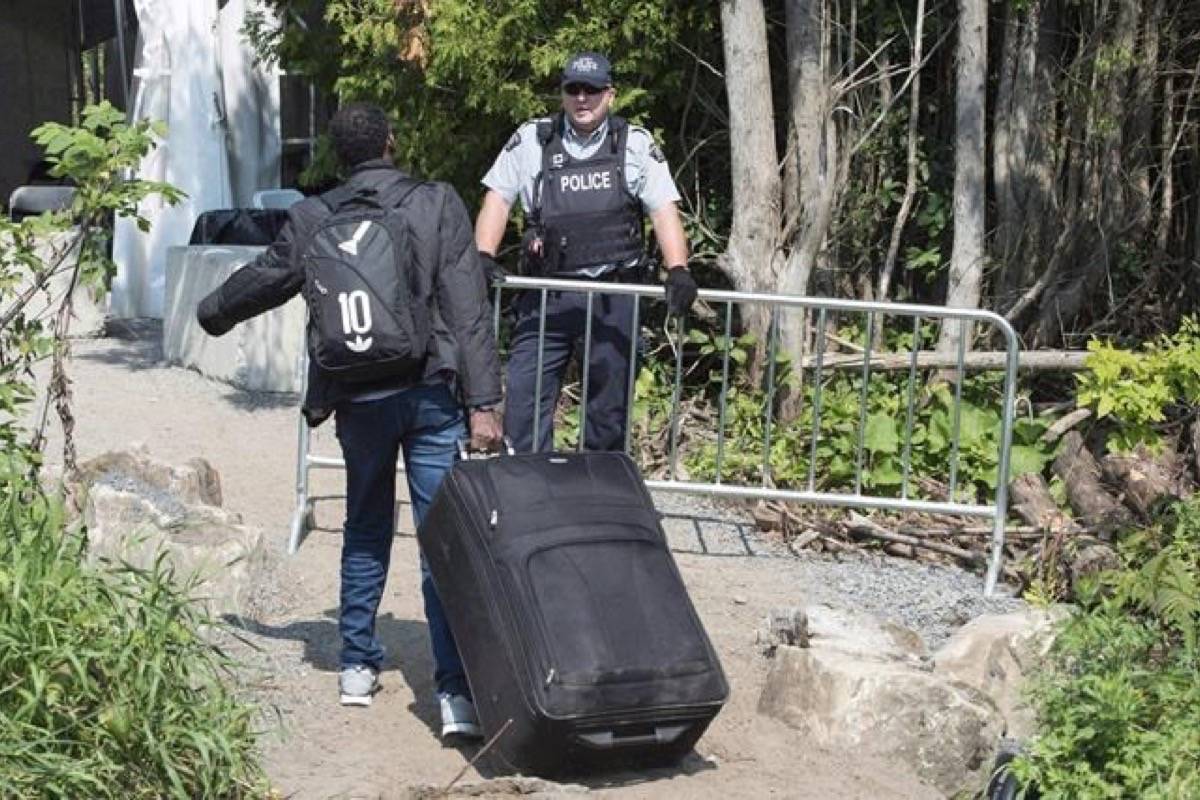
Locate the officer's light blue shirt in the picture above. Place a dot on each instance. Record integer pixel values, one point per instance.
(647, 175)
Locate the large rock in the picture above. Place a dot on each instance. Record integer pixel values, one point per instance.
(994, 654)
(135, 508)
(866, 686)
(862, 634)
(195, 483)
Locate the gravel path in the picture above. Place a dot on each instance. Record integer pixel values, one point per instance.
(931, 599)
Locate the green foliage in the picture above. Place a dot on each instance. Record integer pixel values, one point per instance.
(871, 197)
(883, 428)
(457, 80)
(886, 442)
(95, 156)
(933, 220)
(71, 243)
(1136, 390)
(107, 688)
(1119, 709)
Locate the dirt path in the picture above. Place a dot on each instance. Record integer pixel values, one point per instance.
(315, 748)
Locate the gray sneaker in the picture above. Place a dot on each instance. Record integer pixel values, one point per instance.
(459, 717)
(357, 684)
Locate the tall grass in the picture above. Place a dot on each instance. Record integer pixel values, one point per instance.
(107, 687)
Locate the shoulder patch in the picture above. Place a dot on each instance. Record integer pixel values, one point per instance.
(513, 140)
(652, 146)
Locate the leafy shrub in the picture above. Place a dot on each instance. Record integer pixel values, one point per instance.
(1119, 709)
(884, 425)
(1135, 390)
(107, 687)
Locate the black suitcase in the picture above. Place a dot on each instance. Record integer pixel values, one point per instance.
(578, 637)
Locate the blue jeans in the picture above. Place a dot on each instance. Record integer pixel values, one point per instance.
(426, 422)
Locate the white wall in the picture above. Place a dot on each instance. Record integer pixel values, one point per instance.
(195, 73)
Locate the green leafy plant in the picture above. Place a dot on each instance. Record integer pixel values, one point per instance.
(1119, 707)
(108, 685)
(455, 85)
(1134, 391)
(887, 443)
(70, 246)
(108, 688)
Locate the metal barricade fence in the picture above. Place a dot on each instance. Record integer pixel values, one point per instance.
(795, 462)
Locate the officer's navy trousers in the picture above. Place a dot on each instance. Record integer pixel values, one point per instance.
(608, 373)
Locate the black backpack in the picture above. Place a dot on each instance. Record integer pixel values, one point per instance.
(364, 324)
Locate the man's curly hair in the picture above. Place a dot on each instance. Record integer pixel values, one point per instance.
(359, 132)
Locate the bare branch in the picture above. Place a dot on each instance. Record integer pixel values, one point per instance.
(870, 131)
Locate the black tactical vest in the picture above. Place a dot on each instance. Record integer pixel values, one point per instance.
(582, 208)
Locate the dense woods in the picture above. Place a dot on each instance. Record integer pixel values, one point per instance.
(1040, 158)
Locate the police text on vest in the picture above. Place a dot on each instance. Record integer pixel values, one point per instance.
(586, 182)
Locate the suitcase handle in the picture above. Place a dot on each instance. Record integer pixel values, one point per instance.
(465, 454)
(609, 740)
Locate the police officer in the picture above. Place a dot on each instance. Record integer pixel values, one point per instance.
(585, 178)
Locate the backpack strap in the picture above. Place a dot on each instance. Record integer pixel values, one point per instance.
(410, 186)
(345, 193)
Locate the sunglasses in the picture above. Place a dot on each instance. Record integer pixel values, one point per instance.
(577, 88)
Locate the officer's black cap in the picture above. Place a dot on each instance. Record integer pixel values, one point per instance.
(592, 69)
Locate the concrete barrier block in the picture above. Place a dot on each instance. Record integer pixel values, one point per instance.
(260, 354)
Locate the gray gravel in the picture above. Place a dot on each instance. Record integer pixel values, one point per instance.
(931, 599)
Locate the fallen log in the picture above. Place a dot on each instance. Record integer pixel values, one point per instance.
(1031, 501)
(1068, 421)
(1081, 476)
(975, 361)
(805, 539)
(1146, 482)
(972, 531)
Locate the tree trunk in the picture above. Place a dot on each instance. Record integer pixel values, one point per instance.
(750, 259)
(1022, 172)
(1144, 482)
(1031, 501)
(1195, 430)
(809, 211)
(1110, 167)
(966, 259)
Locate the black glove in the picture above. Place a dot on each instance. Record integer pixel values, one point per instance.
(492, 271)
(681, 291)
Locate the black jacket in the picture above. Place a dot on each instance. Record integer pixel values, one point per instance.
(463, 349)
